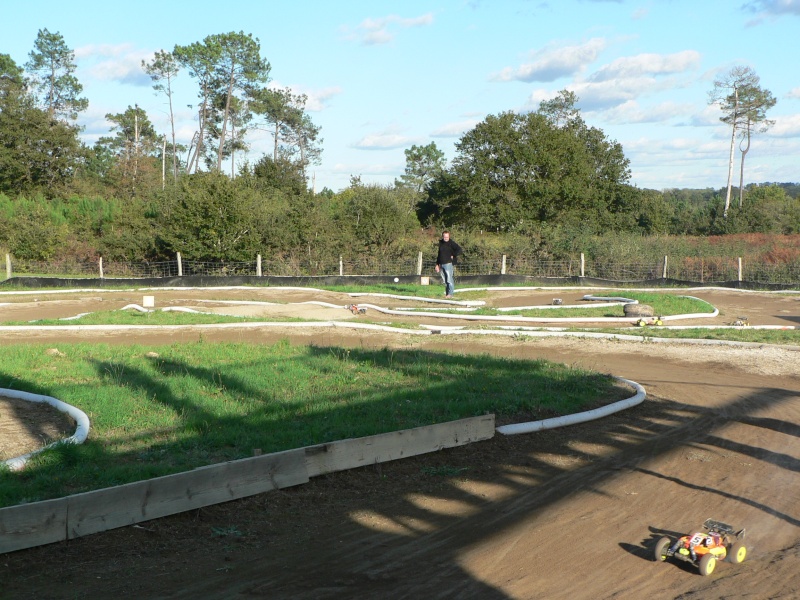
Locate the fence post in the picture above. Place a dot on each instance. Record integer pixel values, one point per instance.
(664, 274)
(419, 263)
(8, 266)
(341, 267)
(180, 266)
(583, 264)
(101, 267)
(740, 269)
(503, 266)
(258, 265)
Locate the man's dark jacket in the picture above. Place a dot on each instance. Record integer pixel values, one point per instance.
(448, 252)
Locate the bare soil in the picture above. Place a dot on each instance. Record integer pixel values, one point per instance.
(568, 513)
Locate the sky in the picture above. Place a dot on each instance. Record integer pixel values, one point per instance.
(381, 76)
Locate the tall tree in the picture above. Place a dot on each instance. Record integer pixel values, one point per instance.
(755, 103)
(239, 68)
(423, 164)
(52, 66)
(726, 94)
(134, 141)
(281, 111)
(12, 77)
(295, 136)
(199, 60)
(561, 110)
(163, 69)
(37, 152)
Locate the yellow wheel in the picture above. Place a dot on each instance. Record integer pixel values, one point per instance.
(660, 552)
(707, 564)
(737, 553)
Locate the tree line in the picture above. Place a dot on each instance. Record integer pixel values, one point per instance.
(534, 183)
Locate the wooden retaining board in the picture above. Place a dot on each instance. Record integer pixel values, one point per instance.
(360, 452)
(100, 510)
(28, 525)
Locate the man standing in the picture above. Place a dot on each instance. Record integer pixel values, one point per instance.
(448, 254)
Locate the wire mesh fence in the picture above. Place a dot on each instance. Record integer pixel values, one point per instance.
(702, 270)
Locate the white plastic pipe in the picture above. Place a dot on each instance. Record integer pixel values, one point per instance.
(581, 417)
(81, 431)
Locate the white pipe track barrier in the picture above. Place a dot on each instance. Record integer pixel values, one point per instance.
(81, 420)
(581, 417)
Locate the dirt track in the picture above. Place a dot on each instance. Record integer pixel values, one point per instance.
(568, 513)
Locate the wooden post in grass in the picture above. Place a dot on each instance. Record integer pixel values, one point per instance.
(101, 267)
(180, 266)
(258, 265)
(341, 267)
(664, 274)
(419, 263)
(503, 265)
(8, 266)
(740, 268)
(583, 263)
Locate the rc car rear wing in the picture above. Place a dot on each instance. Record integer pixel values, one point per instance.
(723, 528)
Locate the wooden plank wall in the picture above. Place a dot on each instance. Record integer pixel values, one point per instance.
(38, 523)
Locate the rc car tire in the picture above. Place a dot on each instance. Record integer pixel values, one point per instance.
(660, 551)
(707, 564)
(737, 553)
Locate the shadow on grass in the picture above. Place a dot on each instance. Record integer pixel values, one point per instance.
(418, 550)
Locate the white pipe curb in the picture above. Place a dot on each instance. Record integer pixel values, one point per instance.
(581, 417)
(81, 431)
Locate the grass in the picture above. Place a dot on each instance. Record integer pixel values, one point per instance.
(125, 317)
(745, 334)
(196, 404)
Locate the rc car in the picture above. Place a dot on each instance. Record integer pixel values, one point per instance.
(655, 322)
(704, 548)
(354, 308)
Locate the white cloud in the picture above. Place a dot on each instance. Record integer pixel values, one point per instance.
(707, 117)
(787, 126)
(771, 9)
(554, 62)
(632, 112)
(794, 93)
(121, 63)
(386, 141)
(316, 100)
(456, 129)
(632, 67)
(373, 32)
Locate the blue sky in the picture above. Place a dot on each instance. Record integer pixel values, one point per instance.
(381, 76)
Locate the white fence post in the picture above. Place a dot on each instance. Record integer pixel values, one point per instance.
(341, 267)
(8, 266)
(258, 265)
(583, 264)
(180, 265)
(664, 274)
(101, 267)
(503, 265)
(419, 263)
(740, 268)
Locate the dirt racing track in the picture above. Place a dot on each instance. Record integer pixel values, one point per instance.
(566, 513)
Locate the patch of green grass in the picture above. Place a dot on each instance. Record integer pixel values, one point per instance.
(196, 404)
(745, 334)
(131, 317)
